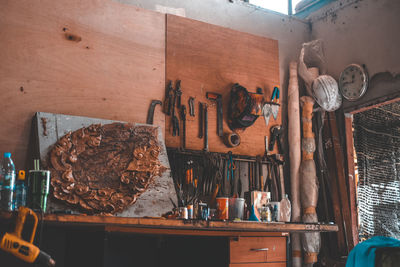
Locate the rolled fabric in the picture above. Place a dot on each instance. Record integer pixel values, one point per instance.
(311, 242)
(294, 136)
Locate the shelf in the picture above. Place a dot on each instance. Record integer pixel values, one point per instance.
(180, 227)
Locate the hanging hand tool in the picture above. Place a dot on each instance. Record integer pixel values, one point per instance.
(271, 107)
(257, 176)
(275, 103)
(191, 106)
(201, 118)
(169, 94)
(150, 113)
(230, 170)
(217, 98)
(24, 250)
(174, 118)
(183, 119)
(260, 173)
(205, 128)
(178, 93)
(276, 133)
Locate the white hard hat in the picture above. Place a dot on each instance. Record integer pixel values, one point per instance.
(326, 92)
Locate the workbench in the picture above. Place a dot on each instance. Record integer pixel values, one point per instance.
(83, 240)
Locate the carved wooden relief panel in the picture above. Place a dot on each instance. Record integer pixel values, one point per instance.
(103, 169)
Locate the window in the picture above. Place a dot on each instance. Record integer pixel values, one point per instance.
(280, 6)
(288, 7)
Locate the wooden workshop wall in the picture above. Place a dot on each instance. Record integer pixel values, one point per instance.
(205, 58)
(94, 58)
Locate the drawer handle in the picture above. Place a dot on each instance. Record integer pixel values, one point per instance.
(259, 249)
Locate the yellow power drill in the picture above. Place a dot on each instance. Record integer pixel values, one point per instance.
(24, 250)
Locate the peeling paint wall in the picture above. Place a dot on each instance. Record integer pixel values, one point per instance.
(364, 32)
(237, 15)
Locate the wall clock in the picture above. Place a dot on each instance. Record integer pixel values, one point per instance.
(353, 82)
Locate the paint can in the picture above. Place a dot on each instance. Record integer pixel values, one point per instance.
(183, 213)
(222, 208)
(190, 211)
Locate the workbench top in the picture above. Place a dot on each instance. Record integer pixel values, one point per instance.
(180, 227)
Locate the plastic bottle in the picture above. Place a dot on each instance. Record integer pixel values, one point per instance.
(20, 191)
(8, 182)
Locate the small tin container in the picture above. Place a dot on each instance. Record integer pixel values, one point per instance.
(183, 213)
(190, 211)
(203, 211)
(222, 208)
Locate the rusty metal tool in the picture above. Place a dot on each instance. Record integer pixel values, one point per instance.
(191, 106)
(174, 118)
(178, 92)
(150, 113)
(217, 98)
(276, 133)
(205, 127)
(201, 123)
(169, 94)
(183, 119)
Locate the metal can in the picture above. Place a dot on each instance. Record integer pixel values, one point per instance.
(183, 213)
(222, 208)
(190, 211)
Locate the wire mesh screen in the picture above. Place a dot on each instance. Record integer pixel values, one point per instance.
(377, 145)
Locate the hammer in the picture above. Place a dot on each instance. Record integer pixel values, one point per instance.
(217, 98)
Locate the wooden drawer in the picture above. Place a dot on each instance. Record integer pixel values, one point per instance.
(258, 249)
(264, 264)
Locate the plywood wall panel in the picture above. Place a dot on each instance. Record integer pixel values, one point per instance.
(211, 58)
(93, 58)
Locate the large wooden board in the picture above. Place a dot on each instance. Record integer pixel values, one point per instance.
(211, 58)
(112, 67)
(155, 201)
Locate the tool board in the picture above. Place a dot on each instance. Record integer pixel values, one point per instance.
(209, 58)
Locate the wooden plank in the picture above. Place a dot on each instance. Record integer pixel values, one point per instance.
(333, 185)
(351, 178)
(201, 232)
(341, 178)
(245, 226)
(94, 58)
(211, 58)
(155, 201)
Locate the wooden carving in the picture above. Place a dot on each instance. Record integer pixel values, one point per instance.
(103, 169)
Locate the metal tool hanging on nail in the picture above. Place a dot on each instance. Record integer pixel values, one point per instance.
(217, 98)
(178, 92)
(276, 134)
(169, 94)
(271, 107)
(201, 118)
(191, 106)
(150, 113)
(183, 119)
(174, 118)
(205, 127)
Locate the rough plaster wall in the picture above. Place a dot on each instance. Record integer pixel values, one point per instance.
(289, 32)
(365, 32)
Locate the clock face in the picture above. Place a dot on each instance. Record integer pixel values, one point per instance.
(353, 82)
